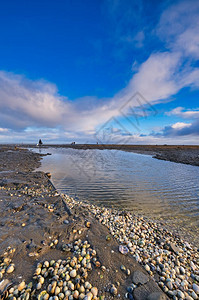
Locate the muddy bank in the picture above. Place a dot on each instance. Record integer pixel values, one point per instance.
(36, 222)
(185, 154)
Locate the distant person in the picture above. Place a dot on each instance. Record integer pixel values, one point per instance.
(40, 142)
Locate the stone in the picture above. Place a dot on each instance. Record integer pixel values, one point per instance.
(113, 290)
(10, 269)
(73, 273)
(196, 288)
(189, 297)
(21, 286)
(140, 277)
(182, 270)
(194, 296)
(157, 296)
(174, 248)
(123, 249)
(94, 291)
(180, 294)
(169, 285)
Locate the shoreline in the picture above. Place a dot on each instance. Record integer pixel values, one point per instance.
(37, 224)
(185, 154)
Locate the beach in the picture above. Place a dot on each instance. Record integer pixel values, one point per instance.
(53, 247)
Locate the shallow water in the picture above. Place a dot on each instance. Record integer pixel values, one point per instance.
(163, 190)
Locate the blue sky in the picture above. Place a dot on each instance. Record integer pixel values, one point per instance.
(108, 71)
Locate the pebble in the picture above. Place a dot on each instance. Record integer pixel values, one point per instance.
(73, 273)
(113, 290)
(194, 295)
(65, 278)
(94, 291)
(123, 249)
(21, 286)
(10, 269)
(196, 288)
(180, 294)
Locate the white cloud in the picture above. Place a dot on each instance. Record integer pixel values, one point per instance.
(4, 130)
(180, 125)
(186, 114)
(179, 26)
(157, 76)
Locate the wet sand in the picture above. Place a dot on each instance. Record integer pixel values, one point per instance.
(34, 215)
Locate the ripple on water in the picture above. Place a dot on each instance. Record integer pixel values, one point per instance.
(139, 183)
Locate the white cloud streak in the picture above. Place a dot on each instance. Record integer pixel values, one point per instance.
(179, 26)
(185, 114)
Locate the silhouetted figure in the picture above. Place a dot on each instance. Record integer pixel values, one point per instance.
(40, 142)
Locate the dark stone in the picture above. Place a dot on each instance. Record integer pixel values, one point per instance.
(140, 277)
(148, 291)
(130, 296)
(157, 296)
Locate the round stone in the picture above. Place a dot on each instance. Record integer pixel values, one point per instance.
(73, 273)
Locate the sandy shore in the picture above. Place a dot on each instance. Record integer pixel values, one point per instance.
(38, 226)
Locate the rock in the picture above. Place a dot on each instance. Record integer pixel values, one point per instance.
(10, 269)
(169, 285)
(123, 268)
(139, 277)
(180, 294)
(196, 288)
(192, 266)
(73, 273)
(76, 294)
(194, 296)
(113, 290)
(3, 285)
(128, 272)
(21, 286)
(94, 291)
(182, 270)
(130, 296)
(147, 268)
(157, 296)
(123, 249)
(174, 248)
(189, 297)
